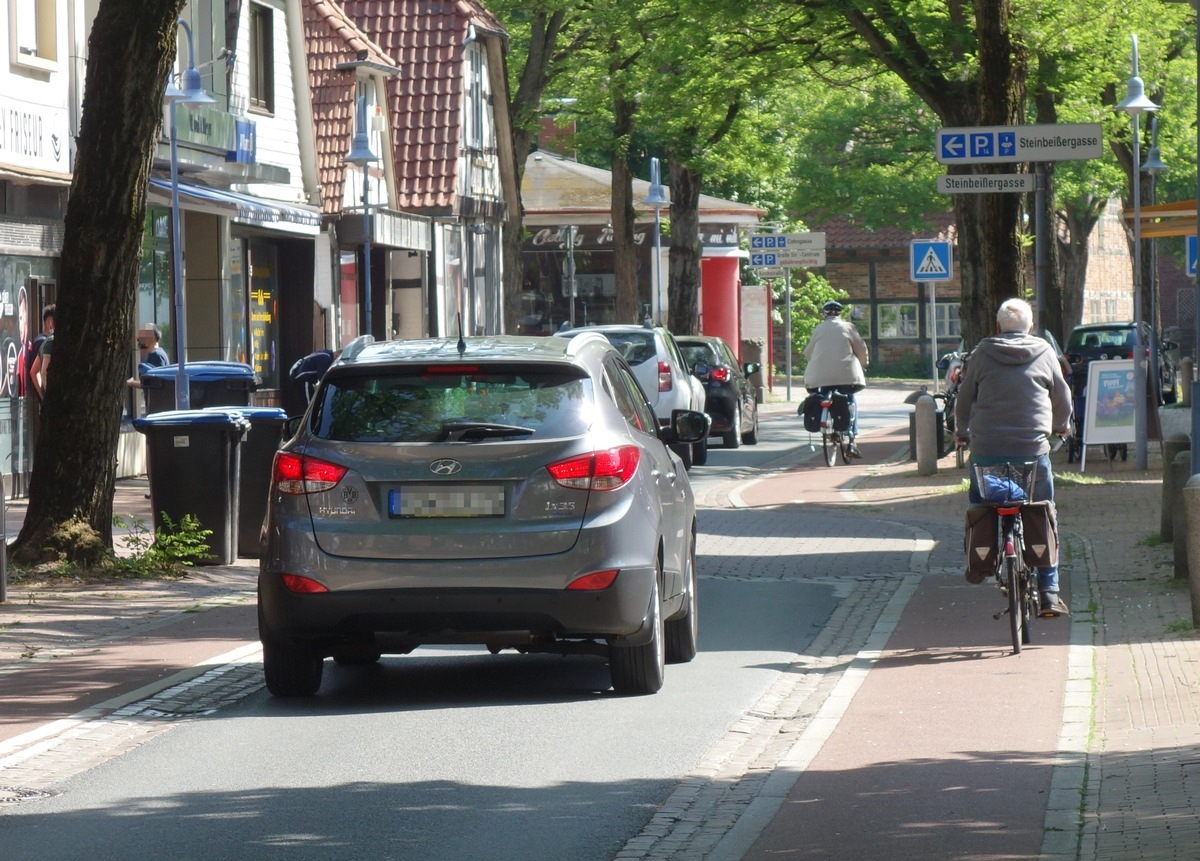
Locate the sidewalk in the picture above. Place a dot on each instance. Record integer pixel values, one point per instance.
(1125, 669)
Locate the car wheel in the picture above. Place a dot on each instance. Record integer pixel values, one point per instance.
(700, 452)
(751, 437)
(640, 669)
(733, 439)
(289, 670)
(683, 631)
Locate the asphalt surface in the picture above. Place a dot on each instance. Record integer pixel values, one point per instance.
(909, 731)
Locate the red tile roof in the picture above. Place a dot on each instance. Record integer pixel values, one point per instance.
(843, 234)
(426, 39)
(331, 39)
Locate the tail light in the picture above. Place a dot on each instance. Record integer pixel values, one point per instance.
(296, 474)
(719, 375)
(664, 377)
(599, 470)
(593, 582)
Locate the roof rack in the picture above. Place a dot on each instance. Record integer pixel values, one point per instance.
(354, 349)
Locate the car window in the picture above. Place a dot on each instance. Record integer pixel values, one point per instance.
(414, 404)
(634, 347)
(630, 400)
(673, 350)
(693, 354)
(727, 352)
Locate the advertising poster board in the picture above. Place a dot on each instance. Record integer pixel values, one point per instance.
(1109, 414)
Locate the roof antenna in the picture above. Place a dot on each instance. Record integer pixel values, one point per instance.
(462, 344)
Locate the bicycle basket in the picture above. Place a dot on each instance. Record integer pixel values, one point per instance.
(1006, 483)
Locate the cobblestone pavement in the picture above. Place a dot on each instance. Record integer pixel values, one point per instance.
(1127, 783)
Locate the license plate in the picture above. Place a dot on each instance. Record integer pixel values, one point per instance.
(458, 500)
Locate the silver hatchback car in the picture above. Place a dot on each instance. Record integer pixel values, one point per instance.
(509, 492)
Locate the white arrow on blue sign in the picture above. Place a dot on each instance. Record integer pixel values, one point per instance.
(1191, 255)
(929, 260)
(1008, 144)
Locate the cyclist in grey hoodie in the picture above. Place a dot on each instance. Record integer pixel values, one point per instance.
(1012, 397)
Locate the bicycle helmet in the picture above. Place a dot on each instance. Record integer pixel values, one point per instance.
(832, 307)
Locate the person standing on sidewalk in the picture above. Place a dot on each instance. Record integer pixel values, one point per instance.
(836, 355)
(1012, 397)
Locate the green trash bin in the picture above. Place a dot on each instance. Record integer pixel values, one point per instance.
(254, 485)
(193, 459)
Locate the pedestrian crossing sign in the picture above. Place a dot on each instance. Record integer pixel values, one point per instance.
(930, 260)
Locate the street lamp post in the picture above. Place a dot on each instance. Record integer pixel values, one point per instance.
(1154, 165)
(657, 198)
(190, 93)
(1135, 104)
(361, 155)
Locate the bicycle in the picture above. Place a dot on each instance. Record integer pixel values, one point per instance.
(835, 440)
(1007, 488)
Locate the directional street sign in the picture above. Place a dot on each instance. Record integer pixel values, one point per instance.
(929, 260)
(982, 183)
(789, 241)
(1009, 144)
(1191, 255)
(807, 258)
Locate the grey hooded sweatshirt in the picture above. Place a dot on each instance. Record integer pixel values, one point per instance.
(1012, 395)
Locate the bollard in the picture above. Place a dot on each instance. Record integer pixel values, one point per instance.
(1173, 446)
(925, 424)
(1191, 498)
(1185, 380)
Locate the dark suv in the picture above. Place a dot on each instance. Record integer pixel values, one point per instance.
(1115, 341)
(731, 398)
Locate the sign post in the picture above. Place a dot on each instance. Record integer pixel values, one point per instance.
(930, 260)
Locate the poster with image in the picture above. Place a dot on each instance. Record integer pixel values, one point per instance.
(1109, 414)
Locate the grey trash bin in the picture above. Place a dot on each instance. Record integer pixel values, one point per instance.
(193, 459)
(210, 384)
(254, 484)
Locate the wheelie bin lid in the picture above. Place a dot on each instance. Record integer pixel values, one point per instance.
(192, 418)
(205, 372)
(256, 415)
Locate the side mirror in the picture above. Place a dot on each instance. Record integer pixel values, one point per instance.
(943, 363)
(751, 368)
(687, 426)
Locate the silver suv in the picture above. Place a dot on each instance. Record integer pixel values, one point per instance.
(661, 371)
(509, 492)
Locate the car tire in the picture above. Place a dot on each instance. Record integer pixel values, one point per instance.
(289, 670)
(700, 452)
(640, 669)
(683, 631)
(733, 439)
(751, 438)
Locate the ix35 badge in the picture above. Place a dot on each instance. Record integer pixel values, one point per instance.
(445, 466)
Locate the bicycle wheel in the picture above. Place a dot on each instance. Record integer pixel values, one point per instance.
(829, 446)
(1028, 601)
(1013, 580)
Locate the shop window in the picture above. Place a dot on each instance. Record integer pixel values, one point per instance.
(262, 59)
(33, 30)
(898, 320)
(947, 320)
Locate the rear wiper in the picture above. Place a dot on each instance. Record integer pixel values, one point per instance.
(464, 430)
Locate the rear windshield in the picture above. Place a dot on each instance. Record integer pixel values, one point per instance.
(440, 404)
(636, 347)
(1093, 338)
(694, 354)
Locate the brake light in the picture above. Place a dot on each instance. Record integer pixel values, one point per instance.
(296, 474)
(303, 585)
(593, 582)
(599, 470)
(664, 377)
(719, 375)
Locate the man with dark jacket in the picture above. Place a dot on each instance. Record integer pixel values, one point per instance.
(1012, 397)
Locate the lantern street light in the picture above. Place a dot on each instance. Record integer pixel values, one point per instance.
(1154, 165)
(1135, 104)
(190, 93)
(360, 154)
(657, 198)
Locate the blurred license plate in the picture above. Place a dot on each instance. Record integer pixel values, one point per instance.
(447, 500)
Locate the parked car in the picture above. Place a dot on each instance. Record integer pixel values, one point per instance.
(510, 492)
(1115, 341)
(730, 398)
(662, 372)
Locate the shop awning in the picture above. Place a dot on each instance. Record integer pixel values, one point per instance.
(1166, 219)
(245, 208)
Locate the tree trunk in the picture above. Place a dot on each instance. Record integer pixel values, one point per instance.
(683, 288)
(622, 214)
(130, 52)
(1073, 258)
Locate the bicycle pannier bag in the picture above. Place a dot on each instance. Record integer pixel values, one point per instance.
(811, 410)
(1040, 523)
(839, 411)
(980, 539)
